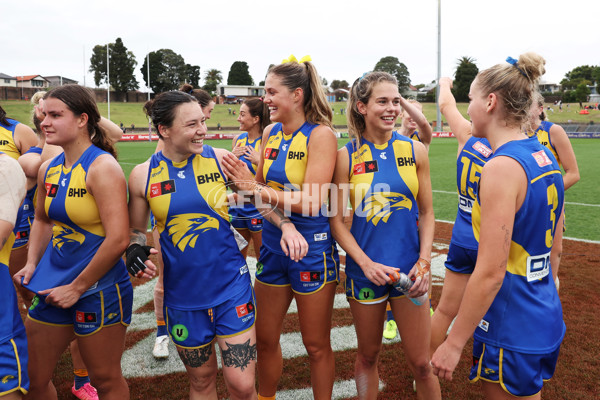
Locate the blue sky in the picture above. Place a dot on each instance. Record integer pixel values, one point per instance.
(344, 38)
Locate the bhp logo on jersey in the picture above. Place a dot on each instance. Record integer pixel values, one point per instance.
(160, 188)
(51, 189)
(405, 161)
(83, 317)
(296, 155)
(244, 309)
(207, 178)
(77, 192)
(366, 167)
(271, 154)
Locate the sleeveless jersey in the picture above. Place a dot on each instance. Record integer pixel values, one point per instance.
(27, 210)
(285, 160)
(526, 315)
(475, 153)
(543, 135)
(415, 136)
(383, 192)
(11, 323)
(7, 138)
(243, 141)
(248, 210)
(203, 266)
(77, 232)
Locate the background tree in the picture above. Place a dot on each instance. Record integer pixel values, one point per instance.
(394, 67)
(324, 81)
(466, 71)
(337, 84)
(239, 74)
(167, 70)
(581, 92)
(212, 78)
(583, 74)
(193, 75)
(122, 66)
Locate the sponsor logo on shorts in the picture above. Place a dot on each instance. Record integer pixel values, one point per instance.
(484, 325)
(111, 315)
(256, 221)
(307, 276)
(366, 294)
(244, 269)
(541, 158)
(179, 332)
(489, 371)
(161, 188)
(34, 302)
(244, 309)
(320, 236)
(259, 268)
(7, 378)
(85, 317)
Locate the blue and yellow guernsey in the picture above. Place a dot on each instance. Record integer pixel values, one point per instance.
(27, 211)
(248, 210)
(526, 315)
(285, 160)
(475, 153)
(415, 136)
(543, 136)
(203, 265)
(77, 232)
(383, 194)
(7, 138)
(11, 323)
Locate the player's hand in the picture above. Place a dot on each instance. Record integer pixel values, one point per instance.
(61, 296)
(292, 242)
(137, 262)
(238, 151)
(237, 171)
(379, 274)
(444, 360)
(252, 155)
(23, 276)
(420, 274)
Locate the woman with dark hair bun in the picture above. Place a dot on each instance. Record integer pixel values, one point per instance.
(74, 263)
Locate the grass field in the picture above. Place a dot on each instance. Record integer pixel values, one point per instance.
(129, 113)
(582, 204)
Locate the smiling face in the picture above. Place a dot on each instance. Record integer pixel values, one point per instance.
(208, 109)
(278, 98)
(186, 134)
(246, 120)
(383, 107)
(60, 124)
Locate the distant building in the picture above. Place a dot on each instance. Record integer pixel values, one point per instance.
(32, 81)
(57, 80)
(548, 87)
(236, 93)
(7, 80)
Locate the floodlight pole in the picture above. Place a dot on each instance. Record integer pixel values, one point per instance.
(108, 78)
(439, 69)
(148, 75)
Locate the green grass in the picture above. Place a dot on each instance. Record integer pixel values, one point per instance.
(582, 205)
(129, 113)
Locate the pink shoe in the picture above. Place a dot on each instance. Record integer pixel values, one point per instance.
(86, 392)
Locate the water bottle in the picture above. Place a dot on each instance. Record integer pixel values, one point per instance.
(402, 283)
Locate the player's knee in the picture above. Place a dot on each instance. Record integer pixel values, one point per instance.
(317, 349)
(422, 368)
(367, 360)
(205, 383)
(242, 389)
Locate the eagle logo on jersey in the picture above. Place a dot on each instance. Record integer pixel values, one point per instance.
(379, 206)
(186, 228)
(62, 234)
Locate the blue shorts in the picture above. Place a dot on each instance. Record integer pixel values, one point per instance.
(13, 365)
(519, 374)
(460, 259)
(366, 292)
(198, 328)
(246, 218)
(21, 239)
(306, 276)
(107, 307)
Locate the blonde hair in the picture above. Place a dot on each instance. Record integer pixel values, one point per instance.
(35, 100)
(515, 85)
(304, 76)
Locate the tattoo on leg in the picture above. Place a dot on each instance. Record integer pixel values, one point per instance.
(239, 355)
(195, 357)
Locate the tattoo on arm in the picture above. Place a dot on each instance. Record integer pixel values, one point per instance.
(239, 355)
(280, 221)
(138, 237)
(195, 357)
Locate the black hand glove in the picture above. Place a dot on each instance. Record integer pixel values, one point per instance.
(136, 256)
